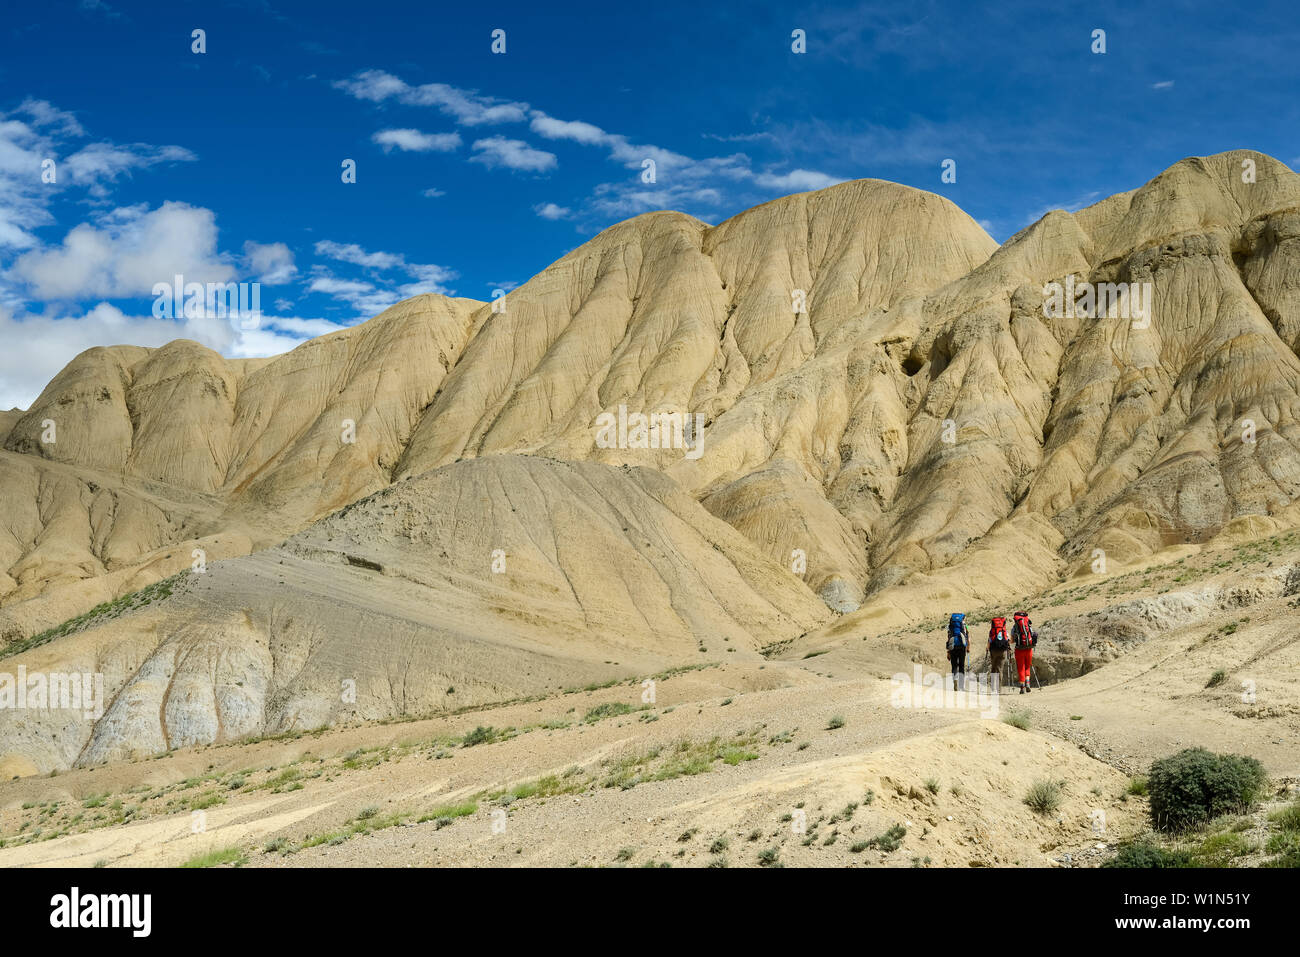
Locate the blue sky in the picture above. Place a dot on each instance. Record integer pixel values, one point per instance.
(476, 170)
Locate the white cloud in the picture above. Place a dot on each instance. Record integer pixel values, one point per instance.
(373, 85)
(354, 254)
(428, 278)
(270, 263)
(629, 199)
(117, 253)
(261, 342)
(433, 193)
(576, 130)
(797, 180)
(51, 342)
(48, 344)
(44, 114)
(100, 163)
(551, 211)
(497, 151)
(1163, 85)
(413, 141)
(620, 148)
(302, 328)
(365, 298)
(371, 296)
(131, 251)
(25, 197)
(680, 179)
(466, 106)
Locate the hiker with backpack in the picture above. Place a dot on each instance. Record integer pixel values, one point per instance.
(1024, 638)
(999, 644)
(958, 644)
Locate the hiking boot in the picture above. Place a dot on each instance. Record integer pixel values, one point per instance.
(1028, 689)
(1022, 689)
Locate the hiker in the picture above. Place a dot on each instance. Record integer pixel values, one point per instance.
(1024, 638)
(958, 644)
(998, 645)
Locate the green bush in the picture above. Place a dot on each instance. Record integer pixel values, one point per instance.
(1017, 719)
(479, 735)
(1146, 855)
(1194, 786)
(1044, 797)
(609, 709)
(889, 841)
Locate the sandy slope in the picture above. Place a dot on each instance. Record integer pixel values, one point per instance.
(1089, 732)
(484, 581)
(890, 753)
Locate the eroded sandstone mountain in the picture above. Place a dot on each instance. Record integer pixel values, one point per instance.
(893, 420)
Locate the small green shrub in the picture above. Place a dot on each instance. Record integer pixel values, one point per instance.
(1194, 786)
(889, 841)
(1144, 854)
(1017, 719)
(479, 735)
(1044, 797)
(609, 709)
(229, 855)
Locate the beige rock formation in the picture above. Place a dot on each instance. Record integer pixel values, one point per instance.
(483, 581)
(890, 412)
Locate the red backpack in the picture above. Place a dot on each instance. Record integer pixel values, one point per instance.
(998, 634)
(1022, 631)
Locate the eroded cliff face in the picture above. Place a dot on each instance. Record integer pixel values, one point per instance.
(891, 418)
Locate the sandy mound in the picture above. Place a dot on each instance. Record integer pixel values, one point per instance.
(480, 582)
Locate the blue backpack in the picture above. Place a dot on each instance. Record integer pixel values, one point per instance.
(956, 630)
